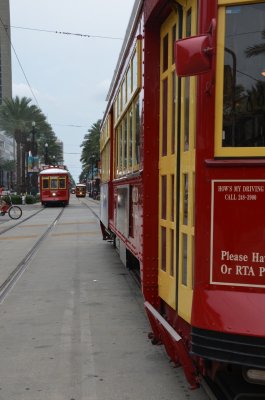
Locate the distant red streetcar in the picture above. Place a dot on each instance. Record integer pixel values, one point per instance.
(80, 190)
(54, 186)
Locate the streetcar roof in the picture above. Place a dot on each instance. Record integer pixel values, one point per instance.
(53, 171)
(81, 184)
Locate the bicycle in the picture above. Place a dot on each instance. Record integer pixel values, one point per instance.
(13, 211)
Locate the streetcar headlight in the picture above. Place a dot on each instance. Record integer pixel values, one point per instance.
(255, 376)
(53, 194)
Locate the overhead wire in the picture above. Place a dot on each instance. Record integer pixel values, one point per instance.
(66, 33)
(5, 26)
(18, 60)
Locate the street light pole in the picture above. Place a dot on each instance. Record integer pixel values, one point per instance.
(46, 154)
(34, 152)
(33, 144)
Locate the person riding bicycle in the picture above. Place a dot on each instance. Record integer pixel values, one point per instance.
(4, 206)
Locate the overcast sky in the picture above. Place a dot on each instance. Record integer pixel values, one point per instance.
(68, 74)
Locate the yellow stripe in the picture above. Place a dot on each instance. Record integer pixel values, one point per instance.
(54, 234)
(31, 226)
(75, 233)
(79, 223)
(18, 237)
(238, 2)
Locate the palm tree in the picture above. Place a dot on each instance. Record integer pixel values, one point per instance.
(257, 49)
(91, 149)
(8, 166)
(16, 117)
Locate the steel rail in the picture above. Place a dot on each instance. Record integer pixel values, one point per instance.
(20, 222)
(9, 283)
(91, 209)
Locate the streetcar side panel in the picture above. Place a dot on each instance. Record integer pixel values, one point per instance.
(121, 156)
(191, 212)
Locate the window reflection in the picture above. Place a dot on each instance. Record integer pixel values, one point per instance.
(165, 53)
(163, 249)
(62, 183)
(164, 197)
(244, 84)
(184, 280)
(125, 135)
(164, 121)
(54, 183)
(45, 183)
(137, 130)
(185, 198)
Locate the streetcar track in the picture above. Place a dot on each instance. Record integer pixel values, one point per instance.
(13, 277)
(91, 209)
(20, 222)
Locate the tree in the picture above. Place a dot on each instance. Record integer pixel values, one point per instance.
(9, 167)
(46, 135)
(16, 117)
(257, 49)
(91, 150)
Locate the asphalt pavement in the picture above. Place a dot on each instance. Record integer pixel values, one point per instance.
(73, 327)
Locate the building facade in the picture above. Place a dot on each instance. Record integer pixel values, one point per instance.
(7, 145)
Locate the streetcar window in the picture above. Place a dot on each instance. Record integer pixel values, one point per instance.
(62, 183)
(185, 198)
(134, 72)
(130, 155)
(163, 249)
(129, 82)
(45, 183)
(125, 137)
(165, 53)
(164, 197)
(54, 183)
(174, 38)
(188, 23)
(172, 247)
(124, 93)
(187, 114)
(137, 132)
(173, 118)
(184, 274)
(164, 116)
(244, 76)
(120, 135)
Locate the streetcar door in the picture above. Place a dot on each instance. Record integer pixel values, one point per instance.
(176, 168)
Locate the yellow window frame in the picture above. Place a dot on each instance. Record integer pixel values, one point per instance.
(123, 166)
(167, 172)
(187, 167)
(219, 150)
(60, 181)
(237, 2)
(44, 179)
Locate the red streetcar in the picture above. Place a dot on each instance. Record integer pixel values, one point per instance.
(54, 186)
(183, 182)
